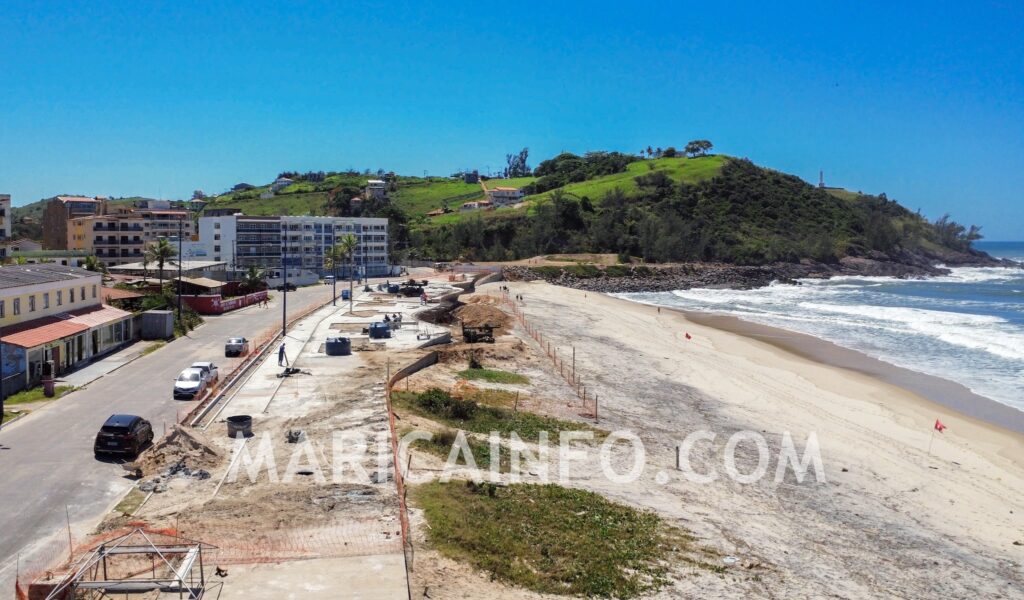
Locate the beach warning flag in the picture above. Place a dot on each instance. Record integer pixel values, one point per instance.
(688, 336)
(939, 426)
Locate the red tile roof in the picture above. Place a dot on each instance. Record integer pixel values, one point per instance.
(42, 331)
(95, 316)
(50, 329)
(112, 293)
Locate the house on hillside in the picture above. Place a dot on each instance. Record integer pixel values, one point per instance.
(504, 196)
(376, 189)
(473, 177)
(280, 183)
(478, 205)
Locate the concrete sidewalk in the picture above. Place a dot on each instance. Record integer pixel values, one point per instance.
(108, 364)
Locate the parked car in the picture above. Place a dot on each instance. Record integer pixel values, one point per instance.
(328, 279)
(286, 286)
(191, 383)
(210, 371)
(123, 434)
(236, 346)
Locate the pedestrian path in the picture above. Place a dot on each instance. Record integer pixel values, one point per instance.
(109, 364)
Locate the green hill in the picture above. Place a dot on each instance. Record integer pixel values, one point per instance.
(699, 209)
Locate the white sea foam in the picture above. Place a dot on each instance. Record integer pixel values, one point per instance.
(946, 326)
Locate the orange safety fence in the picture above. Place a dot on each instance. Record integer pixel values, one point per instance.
(568, 372)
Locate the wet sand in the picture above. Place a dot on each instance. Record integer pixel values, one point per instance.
(944, 392)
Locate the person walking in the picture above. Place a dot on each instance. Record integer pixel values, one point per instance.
(282, 358)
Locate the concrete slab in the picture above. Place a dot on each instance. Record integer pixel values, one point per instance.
(380, 577)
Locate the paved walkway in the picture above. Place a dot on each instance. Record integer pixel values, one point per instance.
(108, 364)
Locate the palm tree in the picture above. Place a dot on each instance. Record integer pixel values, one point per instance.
(161, 252)
(347, 246)
(145, 265)
(253, 278)
(91, 263)
(332, 257)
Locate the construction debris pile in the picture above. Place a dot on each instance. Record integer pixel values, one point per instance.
(480, 311)
(183, 452)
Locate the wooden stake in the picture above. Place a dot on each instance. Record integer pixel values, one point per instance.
(71, 545)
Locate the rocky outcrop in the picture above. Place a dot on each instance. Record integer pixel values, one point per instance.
(663, 278)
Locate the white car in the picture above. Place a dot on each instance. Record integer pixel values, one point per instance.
(210, 372)
(190, 384)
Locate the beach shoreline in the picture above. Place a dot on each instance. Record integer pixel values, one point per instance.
(897, 500)
(945, 394)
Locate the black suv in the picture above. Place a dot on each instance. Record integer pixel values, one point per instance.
(123, 434)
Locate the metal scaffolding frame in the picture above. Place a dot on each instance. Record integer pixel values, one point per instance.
(175, 568)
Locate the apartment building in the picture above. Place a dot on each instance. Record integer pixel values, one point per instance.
(59, 211)
(121, 236)
(298, 241)
(54, 315)
(6, 221)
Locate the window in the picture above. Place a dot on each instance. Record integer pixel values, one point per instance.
(94, 290)
(32, 303)
(60, 297)
(71, 295)
(216, 225)
(3, 312)
(17, 306)
(83, 293)
(216, 248)
(216, 236)
(46, 300)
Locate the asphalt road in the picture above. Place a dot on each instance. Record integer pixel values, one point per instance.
(47, 462)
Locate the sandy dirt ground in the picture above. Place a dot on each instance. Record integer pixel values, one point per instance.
(887, 519)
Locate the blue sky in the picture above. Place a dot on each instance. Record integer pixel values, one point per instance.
(922, 101)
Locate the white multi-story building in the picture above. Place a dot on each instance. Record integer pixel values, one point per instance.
(298, 241)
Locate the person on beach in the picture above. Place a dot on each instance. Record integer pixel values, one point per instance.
(282, 358)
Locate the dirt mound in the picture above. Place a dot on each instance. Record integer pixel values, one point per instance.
(477, 314)
(181, 444)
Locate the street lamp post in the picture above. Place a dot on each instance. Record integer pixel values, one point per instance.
(284, 287)
(181, 232)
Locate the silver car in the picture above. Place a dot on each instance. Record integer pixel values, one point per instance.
(190, 384)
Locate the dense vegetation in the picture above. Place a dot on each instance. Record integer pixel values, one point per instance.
(569, 168)
(745, 214)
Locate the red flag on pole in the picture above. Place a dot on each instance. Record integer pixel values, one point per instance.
(939, 426)
(688, 336)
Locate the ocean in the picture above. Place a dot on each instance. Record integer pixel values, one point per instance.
(967, 326)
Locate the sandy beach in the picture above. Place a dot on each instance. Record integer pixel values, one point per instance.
(889, 519)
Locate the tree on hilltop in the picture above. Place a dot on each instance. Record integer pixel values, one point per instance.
(517, 166)
(698, 148)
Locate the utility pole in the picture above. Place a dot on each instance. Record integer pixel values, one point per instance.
(181, 232)
(284, 287)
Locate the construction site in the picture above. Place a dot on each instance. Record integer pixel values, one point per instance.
(406, 445)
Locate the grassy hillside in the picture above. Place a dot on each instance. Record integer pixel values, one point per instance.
(703, 209)
(418, 196)
(679, 170)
